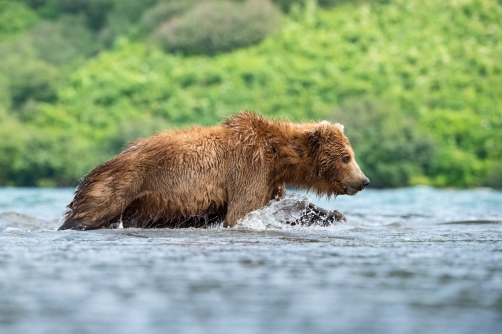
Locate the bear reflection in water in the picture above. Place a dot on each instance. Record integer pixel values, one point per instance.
(203, 176)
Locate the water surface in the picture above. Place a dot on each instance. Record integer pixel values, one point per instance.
(412, 260)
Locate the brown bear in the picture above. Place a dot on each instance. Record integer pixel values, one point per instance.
(202, 175)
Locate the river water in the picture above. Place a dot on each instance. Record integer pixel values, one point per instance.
(414, 260)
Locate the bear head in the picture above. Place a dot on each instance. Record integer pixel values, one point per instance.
(334, 164)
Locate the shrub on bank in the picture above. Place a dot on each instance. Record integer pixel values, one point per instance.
(164, 11)
(218, 26)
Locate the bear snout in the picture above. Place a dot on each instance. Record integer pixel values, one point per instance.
(365, 183)
(354, 188)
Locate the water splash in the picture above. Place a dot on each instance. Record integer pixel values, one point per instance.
(278, 214)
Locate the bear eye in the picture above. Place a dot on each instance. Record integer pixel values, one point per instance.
(346, 159)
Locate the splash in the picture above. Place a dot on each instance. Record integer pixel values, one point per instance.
(278, 214)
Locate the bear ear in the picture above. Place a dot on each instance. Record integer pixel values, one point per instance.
(340, 126)
(316, 136)
(321, 133)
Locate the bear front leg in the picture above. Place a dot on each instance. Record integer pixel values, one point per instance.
(319, 216)
(246, 198)
(239, 209)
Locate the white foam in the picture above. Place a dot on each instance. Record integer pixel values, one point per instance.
(13, 230)
(276, 214)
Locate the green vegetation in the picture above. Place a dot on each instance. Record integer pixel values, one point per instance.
(222, 26)
(15, 18)
(416, 83)
(390, 149)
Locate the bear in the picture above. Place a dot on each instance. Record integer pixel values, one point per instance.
(199, 176)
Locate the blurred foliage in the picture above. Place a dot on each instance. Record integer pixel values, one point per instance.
(390, 149)
(289, 5)
(218, 26)
(15, 18)
(34, 80)
(164, 11)
(124, 18)
(94, 11)
(62, 41)
(417, 83)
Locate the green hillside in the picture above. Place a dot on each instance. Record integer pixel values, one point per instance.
(418, 84)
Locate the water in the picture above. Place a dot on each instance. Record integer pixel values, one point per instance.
(413, 260)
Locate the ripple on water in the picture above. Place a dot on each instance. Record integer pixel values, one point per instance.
(474, 222)
(24, 222)
(393, 265)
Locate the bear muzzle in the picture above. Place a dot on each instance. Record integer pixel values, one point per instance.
(352, 190)
(365, 183)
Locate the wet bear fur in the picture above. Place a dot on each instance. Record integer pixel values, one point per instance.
(199, 176)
